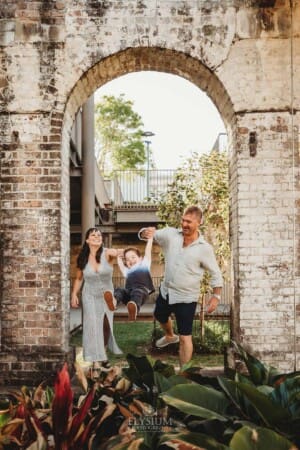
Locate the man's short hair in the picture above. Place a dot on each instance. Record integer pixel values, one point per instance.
(196, 210)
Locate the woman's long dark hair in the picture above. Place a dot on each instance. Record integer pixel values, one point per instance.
(83, 256)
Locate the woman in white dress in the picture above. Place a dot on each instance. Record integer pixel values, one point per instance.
(94, 272)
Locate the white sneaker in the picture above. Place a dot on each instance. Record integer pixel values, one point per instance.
(163, 342)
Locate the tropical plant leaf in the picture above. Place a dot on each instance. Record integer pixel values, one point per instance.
(118, 442)
(4, 417)
(140, 371)
(195, 375)
(179, 379)
(242, 378)
(122, 385)
(125, 411)
(259, 373)
(13, 428)
(62, 405)
(197, 400)
(210, 427)
(271, 413)
(79, 417)
(81, 376)
(240, 401)
(287, 394)
(88, 431)
(167, 370)
(188, 440)
(39, 444)
(163, 384)
(259, 439)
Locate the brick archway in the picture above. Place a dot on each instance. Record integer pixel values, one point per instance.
(155, 59)
(141, 59)
(52, 58)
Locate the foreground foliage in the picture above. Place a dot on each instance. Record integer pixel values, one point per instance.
(148, 406)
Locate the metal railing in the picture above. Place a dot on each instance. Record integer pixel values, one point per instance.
(133, 188)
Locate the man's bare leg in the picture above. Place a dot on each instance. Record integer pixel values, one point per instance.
(185, 349)
(168, 329)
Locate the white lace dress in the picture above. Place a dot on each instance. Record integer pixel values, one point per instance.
(94, 309)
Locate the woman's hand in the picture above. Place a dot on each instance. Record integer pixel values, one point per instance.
(74, 301)
(114, 252)
(120, 252)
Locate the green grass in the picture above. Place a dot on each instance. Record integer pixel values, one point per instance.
(136, 338)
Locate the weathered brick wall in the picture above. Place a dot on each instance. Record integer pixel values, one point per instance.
(32, 309)
(53, 55)
(265, 232)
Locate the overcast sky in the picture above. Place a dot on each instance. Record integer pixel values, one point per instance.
(183, 117)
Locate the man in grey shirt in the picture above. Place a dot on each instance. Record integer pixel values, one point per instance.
(187, 257)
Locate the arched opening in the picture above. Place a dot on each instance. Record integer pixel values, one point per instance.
(134, 60)
(68, 53)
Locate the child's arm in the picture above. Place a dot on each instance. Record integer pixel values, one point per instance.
(148, 250)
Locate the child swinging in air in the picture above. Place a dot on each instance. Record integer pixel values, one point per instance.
(138, 281)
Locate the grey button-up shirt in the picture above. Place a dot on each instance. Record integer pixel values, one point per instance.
(185, 266)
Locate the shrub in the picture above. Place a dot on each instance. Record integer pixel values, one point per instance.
(148, 406)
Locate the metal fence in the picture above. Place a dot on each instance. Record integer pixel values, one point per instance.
(132, 188)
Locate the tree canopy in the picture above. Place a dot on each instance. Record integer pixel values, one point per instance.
(119, 135)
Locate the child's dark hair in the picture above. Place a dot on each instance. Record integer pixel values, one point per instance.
(83, 256)
(132, 249)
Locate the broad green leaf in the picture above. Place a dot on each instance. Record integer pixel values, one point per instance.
(287, 394)
(140, 371)
(240, 401)
(290, 428)
(265, 389)
(259, 372)
(259, 439)
(271, 413)
(194, 374)
(167, 370)
(242, 378)
(163, 384)
(179, 379)
(197, 400)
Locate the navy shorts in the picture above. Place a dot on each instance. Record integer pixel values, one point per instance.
(184, 314)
